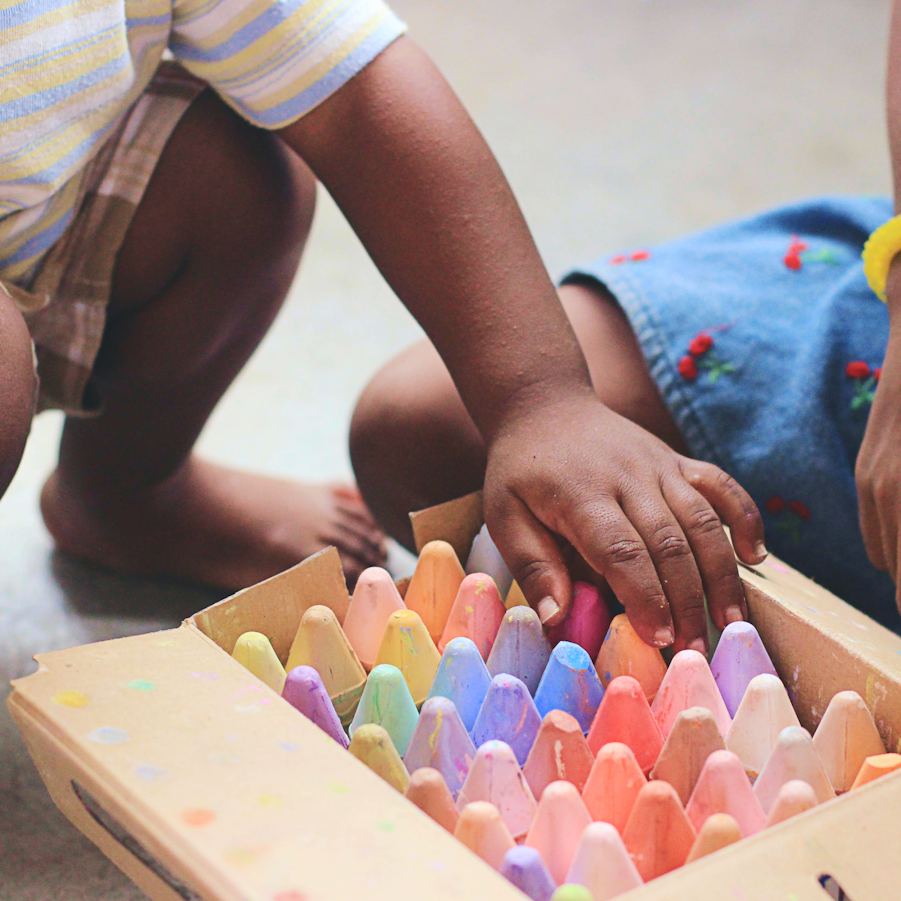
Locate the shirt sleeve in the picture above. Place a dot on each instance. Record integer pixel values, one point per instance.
(274, 60)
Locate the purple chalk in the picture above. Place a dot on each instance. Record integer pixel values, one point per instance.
(508, 714)
(739, 657)
(305, 692)
(524, 867)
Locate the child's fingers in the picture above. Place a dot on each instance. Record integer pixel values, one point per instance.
(733, 505)
(671, 553)
(871, 528)
(712, 552)
(534, 558)
(605, 537)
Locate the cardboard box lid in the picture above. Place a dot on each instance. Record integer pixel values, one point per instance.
(204, 765)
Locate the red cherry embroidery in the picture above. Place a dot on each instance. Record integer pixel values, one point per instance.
(792, 258)
(640, 255)
(799, 509)
(688, 369)
(857, 369)
(877, 373)
(792, 261)
(700, 344)
(617, 260)
(776, 504)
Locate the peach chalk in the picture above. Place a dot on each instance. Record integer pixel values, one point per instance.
(658, 835)
(723, 787)
(794, 797)
(557, 828)
(874, 767)
(693, 738)
(372, 745)
(321, 643)
(374, 599)
(623, 653)
(613, 785)
(429, 792)
(588, 620)
(793, 757)
(625, 715)
(407, 645)
(689, 683)
(845, 738)
(559, 752)
(495, 776)
(764, 711)
(484, 832)
(602, 864)
(254, 652)
(434, 586)
(476, 614)
(718, 832)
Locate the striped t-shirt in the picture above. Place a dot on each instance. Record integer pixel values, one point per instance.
(70, 68)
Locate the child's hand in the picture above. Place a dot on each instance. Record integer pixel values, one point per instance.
(878, 469)
(645, 517)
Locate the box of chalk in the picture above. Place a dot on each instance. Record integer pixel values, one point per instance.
(429, 740)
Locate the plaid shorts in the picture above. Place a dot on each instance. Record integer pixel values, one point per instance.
(65, 302)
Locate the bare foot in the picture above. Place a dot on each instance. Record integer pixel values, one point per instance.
(215, 526)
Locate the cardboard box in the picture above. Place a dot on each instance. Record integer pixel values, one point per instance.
(199, 782)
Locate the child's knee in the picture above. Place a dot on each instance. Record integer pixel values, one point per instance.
(18, 388)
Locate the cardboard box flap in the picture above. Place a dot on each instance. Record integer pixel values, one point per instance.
(276, 606)
(456, 522)
(233, 792)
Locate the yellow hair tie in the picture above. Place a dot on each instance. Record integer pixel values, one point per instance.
(878, 253)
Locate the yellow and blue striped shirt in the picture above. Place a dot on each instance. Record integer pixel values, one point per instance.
(70, 68)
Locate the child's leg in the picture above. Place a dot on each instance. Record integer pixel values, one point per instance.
(205, 266)
(17, 388)
(413, 444)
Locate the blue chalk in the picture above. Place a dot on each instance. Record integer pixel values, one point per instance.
(524, 867)
(441, 741)
(521, 647)
(463, 678)
(508, 714)
(486, 558)
(570, 683)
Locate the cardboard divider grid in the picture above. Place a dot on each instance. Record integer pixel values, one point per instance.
(199, 782)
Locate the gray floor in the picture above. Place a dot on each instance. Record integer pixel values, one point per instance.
(617, 123)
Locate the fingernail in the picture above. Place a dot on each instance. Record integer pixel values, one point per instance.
(663, 638)
(760, 549)
(698, 645)
(733, 615)
(548, 608)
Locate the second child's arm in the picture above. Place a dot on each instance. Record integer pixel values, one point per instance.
(423, 192)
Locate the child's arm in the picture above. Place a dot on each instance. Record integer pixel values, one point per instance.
(425, 195)
(878, 468)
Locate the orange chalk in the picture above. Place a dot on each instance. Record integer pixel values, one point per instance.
(625, 716)
(874, 767)
(623, 653)
(845, 738)
(476, 614)
(374, 599)
(689, 683)
(407, 645)
(557, 828)
(723, 787)
(482, 830)
(693, 738)
(658, 835)
(559, 752)
(613, 785)
(429, 792)
(515, 597)
(434, 586)
(794, 797)
(719, 831)
(321, 643)
(764, 711)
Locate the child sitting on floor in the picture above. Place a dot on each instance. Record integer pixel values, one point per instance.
(152, 216)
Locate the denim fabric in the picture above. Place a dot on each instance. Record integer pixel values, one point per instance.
(748, 330)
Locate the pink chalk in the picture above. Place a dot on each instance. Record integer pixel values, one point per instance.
(588, 621)
(689, 683)
(724, 787)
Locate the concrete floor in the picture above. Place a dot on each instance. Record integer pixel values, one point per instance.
(617, 123)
